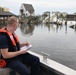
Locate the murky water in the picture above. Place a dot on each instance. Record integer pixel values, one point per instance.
(57, 40)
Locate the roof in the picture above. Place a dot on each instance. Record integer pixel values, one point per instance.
(29, 7)
(6, 14)
(71, 17)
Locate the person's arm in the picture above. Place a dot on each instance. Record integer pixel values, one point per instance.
(4, 48)
(7, 54)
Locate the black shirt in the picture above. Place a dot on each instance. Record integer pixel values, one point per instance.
(3, 42)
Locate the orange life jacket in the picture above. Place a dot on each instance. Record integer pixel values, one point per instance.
(10, 35)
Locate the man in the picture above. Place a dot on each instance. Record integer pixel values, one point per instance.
(15, 58)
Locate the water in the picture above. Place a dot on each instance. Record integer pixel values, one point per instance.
(57, 40)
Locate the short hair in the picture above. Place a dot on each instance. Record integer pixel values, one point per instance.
(11, 20)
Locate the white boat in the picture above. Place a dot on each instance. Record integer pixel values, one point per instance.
(48, 67)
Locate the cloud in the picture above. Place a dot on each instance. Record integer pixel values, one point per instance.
(41, 5)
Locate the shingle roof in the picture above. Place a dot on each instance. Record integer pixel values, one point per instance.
(6, 14)
(29, 7)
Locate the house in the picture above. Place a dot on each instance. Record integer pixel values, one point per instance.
(27, 10)
(4, 14)
(4, 9)
(71, 17)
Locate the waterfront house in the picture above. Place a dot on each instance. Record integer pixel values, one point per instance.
(27, 10)
(71, 17)
(4, 14)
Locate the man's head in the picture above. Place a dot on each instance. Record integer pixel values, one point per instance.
(12, 22)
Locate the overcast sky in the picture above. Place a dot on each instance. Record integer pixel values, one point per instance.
(41, 6)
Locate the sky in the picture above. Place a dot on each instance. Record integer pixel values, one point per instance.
(41, 6)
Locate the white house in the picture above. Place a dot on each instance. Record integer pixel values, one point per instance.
(27, 10)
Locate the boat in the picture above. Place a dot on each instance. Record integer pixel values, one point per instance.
(47, 67)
